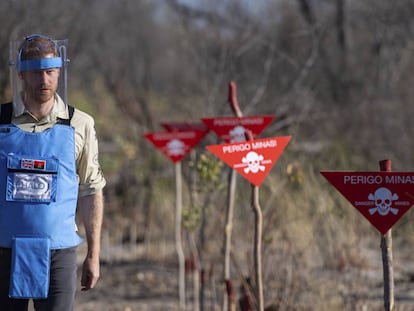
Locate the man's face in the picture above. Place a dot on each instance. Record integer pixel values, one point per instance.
(40, 85)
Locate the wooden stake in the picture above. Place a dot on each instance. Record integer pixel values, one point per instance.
(178, 236)
(387, 260)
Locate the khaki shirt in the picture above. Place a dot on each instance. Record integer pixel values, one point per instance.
(89, 172)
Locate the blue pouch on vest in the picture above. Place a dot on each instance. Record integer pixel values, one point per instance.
(30, 267)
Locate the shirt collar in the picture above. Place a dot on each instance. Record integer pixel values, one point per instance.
(59, 109)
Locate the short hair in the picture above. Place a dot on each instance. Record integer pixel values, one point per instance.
(37, 46)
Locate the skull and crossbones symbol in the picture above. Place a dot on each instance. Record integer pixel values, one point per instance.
(383, 199)
(237, 134)
(175, 147)
(253, 160)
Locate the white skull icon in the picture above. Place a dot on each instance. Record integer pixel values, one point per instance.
(237, 134)
(175, 147)
(383, 198)
(253, 160)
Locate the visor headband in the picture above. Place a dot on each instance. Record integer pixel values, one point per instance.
(39, 64)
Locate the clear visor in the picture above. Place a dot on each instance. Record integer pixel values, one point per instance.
(16, 65)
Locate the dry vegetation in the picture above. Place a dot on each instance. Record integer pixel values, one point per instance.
(337, 75)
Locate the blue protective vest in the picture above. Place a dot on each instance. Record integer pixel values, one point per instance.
(38, 185)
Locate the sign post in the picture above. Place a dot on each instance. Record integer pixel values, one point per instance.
(175, 145)
(253, 159)
(233, 129)
(195, 256)
(382, 198)
(387, 260)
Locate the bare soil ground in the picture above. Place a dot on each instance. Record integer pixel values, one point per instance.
(138, 284)
(133, 283)
(132, 286)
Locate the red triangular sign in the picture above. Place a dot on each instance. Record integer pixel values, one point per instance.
(175, 145)
(184, 126)
(252, 159)
(381, 197)
(232, 129)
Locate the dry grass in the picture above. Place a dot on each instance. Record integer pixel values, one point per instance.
(319, 253)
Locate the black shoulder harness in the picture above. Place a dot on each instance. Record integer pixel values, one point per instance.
(71, 110)
(6, 113)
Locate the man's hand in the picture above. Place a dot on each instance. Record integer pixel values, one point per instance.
(90, 273)
(91, 208)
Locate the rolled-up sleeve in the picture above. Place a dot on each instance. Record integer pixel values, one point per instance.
(90, 176)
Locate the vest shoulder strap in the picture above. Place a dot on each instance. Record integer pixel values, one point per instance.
(6, 112)
(71, 110)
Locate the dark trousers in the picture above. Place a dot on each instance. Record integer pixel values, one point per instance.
(62, 286)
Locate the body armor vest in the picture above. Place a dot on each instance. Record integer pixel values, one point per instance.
(38, 185)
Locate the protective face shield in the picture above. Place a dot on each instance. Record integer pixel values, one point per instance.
(17, 64)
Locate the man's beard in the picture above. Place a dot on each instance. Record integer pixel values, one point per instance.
(43, 95)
